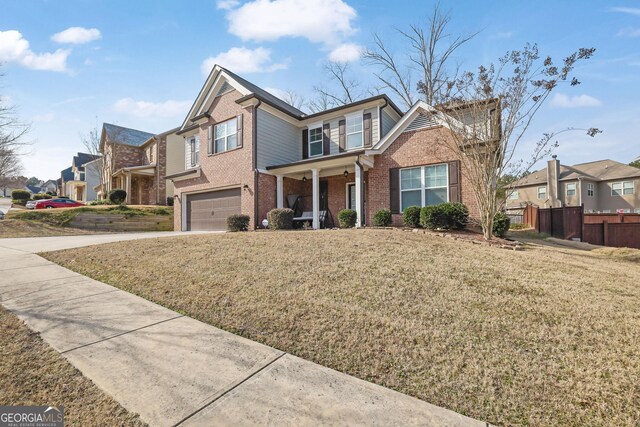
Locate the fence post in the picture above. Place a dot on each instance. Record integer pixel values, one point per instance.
(605, 232)
(537, 219)
(581, 222)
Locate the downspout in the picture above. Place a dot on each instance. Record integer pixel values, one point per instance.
(363, 191)
(256, 174)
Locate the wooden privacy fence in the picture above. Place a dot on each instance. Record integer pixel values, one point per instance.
(570, 222)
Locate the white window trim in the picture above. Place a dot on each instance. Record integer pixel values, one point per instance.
(545, 192)
(196, 139)
(514, 195)
(346, 133)
(633, 188)
(575, 189)
(591, 188)
(226, 136)
(423, 181)
(316, 126)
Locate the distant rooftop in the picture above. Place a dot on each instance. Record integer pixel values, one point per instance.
(127, 136)
(599, 170)
(84, 158)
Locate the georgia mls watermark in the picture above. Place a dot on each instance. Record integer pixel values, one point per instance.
(31, 416)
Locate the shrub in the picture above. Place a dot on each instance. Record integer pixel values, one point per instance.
(117, 196)
(382, 218)
(280, 219)
(347, 218)
(432, 217)
(238, 222)
(411, 216)
(19, 202)
(501, 224)
(38, 196)
(100, 202)
(457, 215)
(21, 195)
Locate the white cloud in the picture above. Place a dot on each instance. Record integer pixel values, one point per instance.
(319, 21)
(276, 92)
(560, 100)
(346, 52)
(628, 10)
(15, 48)
(77, 35)
(243, 60)
(227, 4)
(152, 109)
(629, 32)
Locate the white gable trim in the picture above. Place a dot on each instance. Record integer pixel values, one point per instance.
(405, 121)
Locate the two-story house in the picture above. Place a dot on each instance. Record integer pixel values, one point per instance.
(242, 150)
(134, 161)
(602, 186)
(81, 178)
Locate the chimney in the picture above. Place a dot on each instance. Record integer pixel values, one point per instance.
(553, 175)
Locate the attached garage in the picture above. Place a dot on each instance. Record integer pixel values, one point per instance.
(209, 211)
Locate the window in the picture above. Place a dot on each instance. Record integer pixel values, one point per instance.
(637, 211)
(542, 193)
(514, 195)
(424, 186)
(354, 131)
(81, 176)
(193, 145)
(622, 188)
(225, 136)
(571, 189)
(315, 140)
(591, 190)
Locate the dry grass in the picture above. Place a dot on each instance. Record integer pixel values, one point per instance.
(22, 228)
(623, 254)
(545, 336)
(32, 373)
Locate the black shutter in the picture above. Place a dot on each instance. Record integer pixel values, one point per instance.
(366, 121)
(305, 143)
(394, 190)
(239, 131)
(342, 131)
(326, 139)
(455, 190)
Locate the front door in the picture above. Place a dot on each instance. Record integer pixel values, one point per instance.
(324, 195)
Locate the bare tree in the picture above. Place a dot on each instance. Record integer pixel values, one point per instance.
(320, 103)
(346, 88)
(12, 139)
(294, 99)
(428, 58)
(489, 112)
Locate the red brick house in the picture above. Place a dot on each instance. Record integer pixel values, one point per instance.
(246, 151)
(134, 161)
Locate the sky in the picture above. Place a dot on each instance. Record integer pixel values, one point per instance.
(70, 65)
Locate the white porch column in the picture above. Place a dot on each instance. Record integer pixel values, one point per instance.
(359, 194)
(315, 184)
(279, 192)
(128, 189)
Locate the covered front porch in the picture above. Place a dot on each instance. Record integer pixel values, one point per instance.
(138, 182)
(317, 189)
(77, 190)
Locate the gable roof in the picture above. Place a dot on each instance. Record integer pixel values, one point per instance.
(32, 188)
(67, 174)
(127, 136)
(83, 158)
(599, 170)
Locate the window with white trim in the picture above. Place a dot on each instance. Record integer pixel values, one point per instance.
(591, 189)
(542, 193)
(225, 136)
(622, 188)
(193, 147)
(424, 186)
(514, 195)
(571, 189)
(315, 140)
(354, 131)
(637, 211)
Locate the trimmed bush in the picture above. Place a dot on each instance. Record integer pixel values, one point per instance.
(21, 202)
(41, 196)
(100, 202)
(450, 216)
(411, 216)
(280, 219)
(501, 224)
(347, 218)
(117, 196)
(238, 222)
(21, 195)
(382, 218)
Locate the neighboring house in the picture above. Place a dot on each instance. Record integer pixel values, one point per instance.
(49, 186)
(66, 175)
(601, 186)
(242, 150)
(83, 180)
(33, 189)
(136, 162)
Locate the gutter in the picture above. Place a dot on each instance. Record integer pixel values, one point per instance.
(256, 172)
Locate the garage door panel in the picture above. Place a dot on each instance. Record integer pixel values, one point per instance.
(209, 211)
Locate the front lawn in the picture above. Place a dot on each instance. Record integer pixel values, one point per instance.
(544, 336)
(32, 373)
(25, 228)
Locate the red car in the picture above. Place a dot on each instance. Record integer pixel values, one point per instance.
(57, 203)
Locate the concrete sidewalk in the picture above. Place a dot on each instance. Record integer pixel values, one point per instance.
(172, 369)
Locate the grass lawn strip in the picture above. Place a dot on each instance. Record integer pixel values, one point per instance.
(545, 336)
(32, 373)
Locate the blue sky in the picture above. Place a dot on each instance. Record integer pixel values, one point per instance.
(71, 64)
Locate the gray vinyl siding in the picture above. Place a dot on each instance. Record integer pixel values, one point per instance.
(279, 142)
(387, 123)
(335, 131)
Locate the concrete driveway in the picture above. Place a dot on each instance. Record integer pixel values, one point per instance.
(174, 370)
